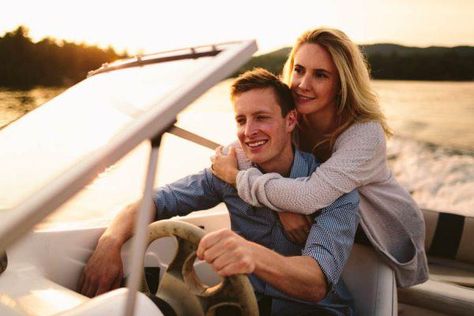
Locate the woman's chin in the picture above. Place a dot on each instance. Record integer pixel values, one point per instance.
(305, 108)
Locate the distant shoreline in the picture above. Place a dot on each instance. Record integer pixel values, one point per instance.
(396, 62)
(25, 64)
(50, 63)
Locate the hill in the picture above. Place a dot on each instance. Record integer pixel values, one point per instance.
(391, 61)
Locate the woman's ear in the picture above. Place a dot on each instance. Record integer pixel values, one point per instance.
(291, 120)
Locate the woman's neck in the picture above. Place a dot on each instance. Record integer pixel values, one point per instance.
(313, 130)
(321, 123)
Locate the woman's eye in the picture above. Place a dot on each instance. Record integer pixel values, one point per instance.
(298, 69)
(320, 75)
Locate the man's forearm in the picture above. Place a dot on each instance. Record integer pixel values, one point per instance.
(298, 276)
(121, 228)
(229, 254)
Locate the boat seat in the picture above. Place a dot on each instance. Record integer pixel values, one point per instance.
(449, 239)
(25, 291)
(35, 289)
(450, 250)
(371, 282)
(453, 272)
(113, 303)
(438, 296)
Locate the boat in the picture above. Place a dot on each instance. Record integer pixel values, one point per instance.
(72, 153)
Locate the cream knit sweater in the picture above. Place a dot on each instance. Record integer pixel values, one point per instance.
(389, 216)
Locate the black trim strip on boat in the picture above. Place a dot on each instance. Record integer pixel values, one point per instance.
(3, 261)
(139, 61)
(447, 236)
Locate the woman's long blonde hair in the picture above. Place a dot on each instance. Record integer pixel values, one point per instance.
(356, 100)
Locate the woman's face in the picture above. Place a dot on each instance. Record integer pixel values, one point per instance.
(314, 80)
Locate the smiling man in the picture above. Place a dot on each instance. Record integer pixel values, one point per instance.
(288, 278)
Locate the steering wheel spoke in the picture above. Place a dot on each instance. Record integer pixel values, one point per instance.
(233, 291)
(184, 258)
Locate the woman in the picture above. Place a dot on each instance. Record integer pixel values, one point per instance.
(340, 121)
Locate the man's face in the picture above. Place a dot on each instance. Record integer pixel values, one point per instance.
(265, 136)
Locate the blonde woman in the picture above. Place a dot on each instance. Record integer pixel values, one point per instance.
(340, 121)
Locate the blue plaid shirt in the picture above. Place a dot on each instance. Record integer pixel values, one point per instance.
(329, 242)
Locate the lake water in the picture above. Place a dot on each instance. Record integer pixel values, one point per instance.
(16, 103)
(432, 154)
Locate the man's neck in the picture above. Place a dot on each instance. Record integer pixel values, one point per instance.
(282, 164)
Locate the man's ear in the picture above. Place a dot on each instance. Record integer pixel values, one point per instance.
(291, 120)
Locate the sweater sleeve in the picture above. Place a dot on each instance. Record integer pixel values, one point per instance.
(359, 156)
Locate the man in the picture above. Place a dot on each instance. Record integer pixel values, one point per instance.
(287, 277)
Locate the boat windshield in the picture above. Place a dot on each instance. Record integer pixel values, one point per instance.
(53, 151)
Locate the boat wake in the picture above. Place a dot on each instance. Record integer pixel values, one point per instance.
(438, 178)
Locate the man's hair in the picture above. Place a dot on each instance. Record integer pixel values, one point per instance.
(259, 78)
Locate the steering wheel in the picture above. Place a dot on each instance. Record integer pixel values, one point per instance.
(180, 287)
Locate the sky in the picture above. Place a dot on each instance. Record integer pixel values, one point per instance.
(145, 26)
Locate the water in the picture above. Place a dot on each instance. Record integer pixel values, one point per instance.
(432, 154)
(16, 103)
(440, 113)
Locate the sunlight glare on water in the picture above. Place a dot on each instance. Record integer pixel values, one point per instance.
(432, 154)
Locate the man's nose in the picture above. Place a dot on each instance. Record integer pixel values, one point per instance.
(250, 129)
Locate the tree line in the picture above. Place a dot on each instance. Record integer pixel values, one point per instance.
(49, 62)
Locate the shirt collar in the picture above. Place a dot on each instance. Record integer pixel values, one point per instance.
(300, 167)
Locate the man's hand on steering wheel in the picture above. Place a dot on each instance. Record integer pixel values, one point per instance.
(227, 252)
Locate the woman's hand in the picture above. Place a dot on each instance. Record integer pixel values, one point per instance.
(296, 226)
(225, 166)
